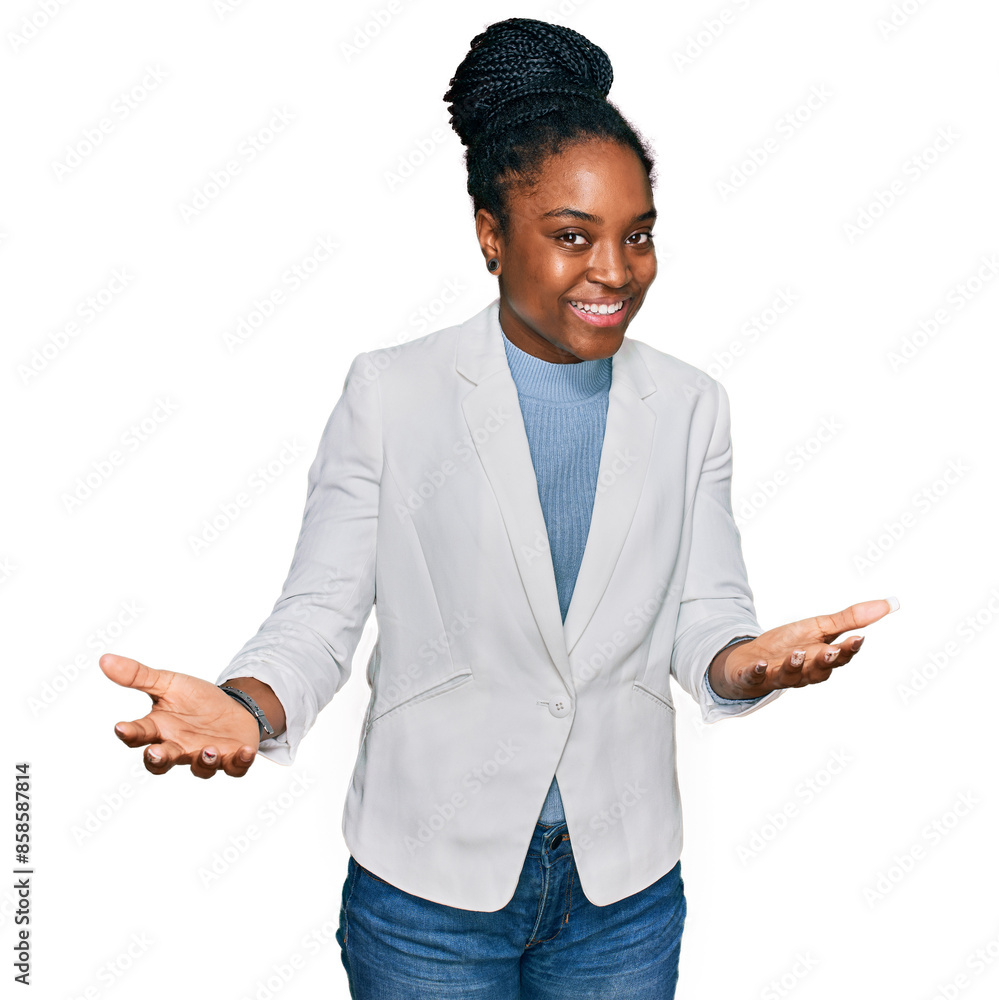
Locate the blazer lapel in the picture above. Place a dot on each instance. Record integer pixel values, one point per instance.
(624, 461)
(506, 459)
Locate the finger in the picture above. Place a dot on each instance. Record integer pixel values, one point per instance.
(238, 763)
(206, 763)
(160, 757)
(803, 665)
(788, 672)
(820, 661)
(753, 676)
(830, 627)
(814, 664)
(138, 732)
(840, 653)
(829, 656)
(794, 665)
(848, 648)
(133, 674)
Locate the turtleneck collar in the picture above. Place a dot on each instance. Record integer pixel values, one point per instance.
(554, 381)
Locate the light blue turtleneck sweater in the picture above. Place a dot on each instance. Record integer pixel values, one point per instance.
(565, 414)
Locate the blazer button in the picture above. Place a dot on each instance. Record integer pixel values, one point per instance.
(560, 707)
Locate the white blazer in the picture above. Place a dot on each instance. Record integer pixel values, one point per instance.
(423, 502)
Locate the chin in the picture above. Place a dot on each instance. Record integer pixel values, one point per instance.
(600, 346)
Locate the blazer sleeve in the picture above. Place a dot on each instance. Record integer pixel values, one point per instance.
(716, 604)
(304, 648)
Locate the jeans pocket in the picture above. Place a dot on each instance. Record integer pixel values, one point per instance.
(371, 875)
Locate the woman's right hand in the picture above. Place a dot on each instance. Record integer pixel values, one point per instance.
(192, 721)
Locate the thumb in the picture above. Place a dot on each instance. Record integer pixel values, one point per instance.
(133, 674)
(868, 612)
(856, 616)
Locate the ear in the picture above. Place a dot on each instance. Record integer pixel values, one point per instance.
(487, 232)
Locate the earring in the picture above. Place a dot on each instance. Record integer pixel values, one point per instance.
(493, 264)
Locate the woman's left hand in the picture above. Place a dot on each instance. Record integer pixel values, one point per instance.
(793, 655)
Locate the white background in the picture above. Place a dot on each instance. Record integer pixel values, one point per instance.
(117, 853)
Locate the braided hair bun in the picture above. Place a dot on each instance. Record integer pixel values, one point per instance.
(525, 91)
(518, 58)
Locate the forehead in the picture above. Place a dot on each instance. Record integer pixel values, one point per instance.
(603, 178)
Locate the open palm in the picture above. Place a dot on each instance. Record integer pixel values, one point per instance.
(799, 653)
(192, 721)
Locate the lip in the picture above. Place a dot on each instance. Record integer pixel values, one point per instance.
(612, 319)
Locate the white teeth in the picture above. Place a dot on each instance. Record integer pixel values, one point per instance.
(601, 310)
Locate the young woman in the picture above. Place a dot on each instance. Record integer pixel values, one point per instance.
(542, 507)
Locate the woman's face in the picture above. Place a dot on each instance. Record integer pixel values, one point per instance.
(578, 237)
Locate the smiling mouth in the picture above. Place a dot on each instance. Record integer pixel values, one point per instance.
(603, 313)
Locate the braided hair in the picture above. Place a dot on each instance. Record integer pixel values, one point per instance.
(525, 91)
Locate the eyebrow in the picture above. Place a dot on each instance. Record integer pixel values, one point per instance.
(575, 213)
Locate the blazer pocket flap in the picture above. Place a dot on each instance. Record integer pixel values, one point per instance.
(454, 680)
(662, 700)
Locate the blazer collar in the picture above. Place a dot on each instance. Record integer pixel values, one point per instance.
(505, 455)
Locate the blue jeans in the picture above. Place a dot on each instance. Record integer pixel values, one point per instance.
(548, 943)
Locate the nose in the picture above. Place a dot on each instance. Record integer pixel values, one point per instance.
(609, 265)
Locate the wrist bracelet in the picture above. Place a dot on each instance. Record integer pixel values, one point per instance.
(266, 729)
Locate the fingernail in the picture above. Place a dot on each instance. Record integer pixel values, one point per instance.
(761, 667)
(857, 643)
(797, 658)
(893, 603)
(831, 655)
(246, 756)
(208, 756)
(154, 756)
(119, 730)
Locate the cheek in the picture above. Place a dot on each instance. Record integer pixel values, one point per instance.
(545, 278)
(644, 269)
(554, 277)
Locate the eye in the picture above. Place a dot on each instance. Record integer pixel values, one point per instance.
(571, 236)
(641, 242)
